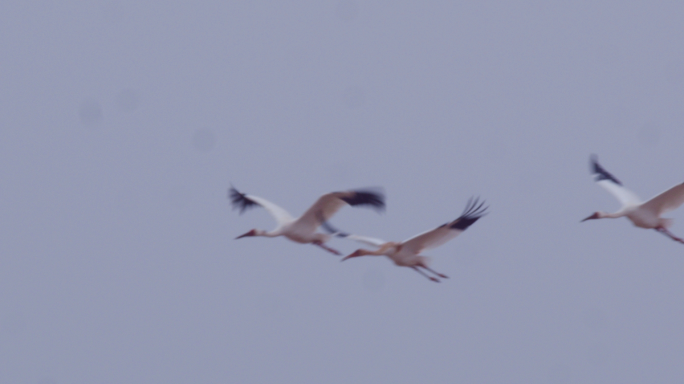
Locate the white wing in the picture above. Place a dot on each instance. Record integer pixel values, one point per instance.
(440, 235)
(327, 205)
(361, 239)
(430, 239)
(624, 195)
(243, 201)
(279, 214)
(366, 240)
(612, 184)
(666, 201)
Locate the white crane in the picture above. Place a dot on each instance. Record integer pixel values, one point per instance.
(642, 214)
(407, 252)
(303, 229)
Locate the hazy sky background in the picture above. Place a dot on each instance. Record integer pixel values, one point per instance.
(123, 123)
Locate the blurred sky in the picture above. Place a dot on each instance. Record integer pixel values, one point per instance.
(123, 123)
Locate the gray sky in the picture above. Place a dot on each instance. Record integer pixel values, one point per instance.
(123, 123)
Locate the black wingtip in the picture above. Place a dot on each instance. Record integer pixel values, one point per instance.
(372, 197)
(600, 173)
(472, 213)
(594, 166)
(239, 200)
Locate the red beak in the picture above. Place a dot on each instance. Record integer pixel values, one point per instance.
(355, 254)
(593, 216)
(250, 233)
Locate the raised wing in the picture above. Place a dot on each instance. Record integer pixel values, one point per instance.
(440, 235)
(666, 201)
(243, 202)
(361, 239)
(327, 205)
(611, 184)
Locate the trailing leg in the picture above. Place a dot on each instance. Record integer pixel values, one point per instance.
(331, 250)
(669, 234)
(435, 272)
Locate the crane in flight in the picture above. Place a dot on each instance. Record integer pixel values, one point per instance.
(408, 252)
(641, 214)
(304, 228)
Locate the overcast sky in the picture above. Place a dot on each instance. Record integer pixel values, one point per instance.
(123, 123)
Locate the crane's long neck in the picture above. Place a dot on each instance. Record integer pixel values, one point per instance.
(366, 252)
(614, 215)
(274, 233)
(261, 233)
(387, 248)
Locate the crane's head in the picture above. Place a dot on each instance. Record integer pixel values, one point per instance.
(253, 232)
(595, 215)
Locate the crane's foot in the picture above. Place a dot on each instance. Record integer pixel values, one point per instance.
(435, 272)
(415, 268)
(669, 234)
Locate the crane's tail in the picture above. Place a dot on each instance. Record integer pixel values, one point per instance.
(426, 260)
(667, 223)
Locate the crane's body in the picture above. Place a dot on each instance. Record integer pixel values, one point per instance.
(303, 229)
(642, 214)
(408, 252)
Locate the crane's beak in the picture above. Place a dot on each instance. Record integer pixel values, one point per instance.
(355, 254)
(593, 216)
(250, 233)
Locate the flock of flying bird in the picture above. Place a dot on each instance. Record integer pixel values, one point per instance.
(407, 253)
